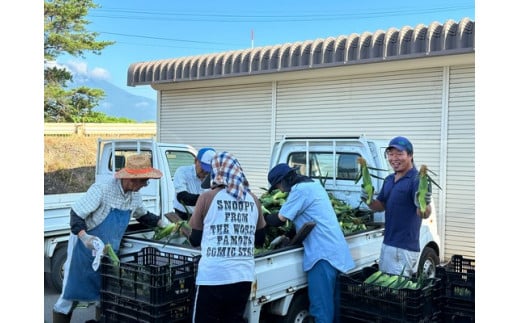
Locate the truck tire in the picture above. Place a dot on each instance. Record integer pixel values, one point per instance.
(298, 311)
(57, 263)
(428, 261)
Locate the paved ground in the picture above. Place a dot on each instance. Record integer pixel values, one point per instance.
(80, 315)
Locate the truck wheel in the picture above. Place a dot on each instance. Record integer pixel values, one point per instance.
(428, 261)
(57, 263)
(298, 311)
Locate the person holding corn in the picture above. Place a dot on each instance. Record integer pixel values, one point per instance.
(99, 218)
(399, 199)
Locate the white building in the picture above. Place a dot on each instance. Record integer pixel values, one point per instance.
(416, 82)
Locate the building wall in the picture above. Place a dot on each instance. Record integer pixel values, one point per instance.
(429, 101)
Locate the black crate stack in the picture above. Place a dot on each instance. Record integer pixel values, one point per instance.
(149, 286)
(458, 283)
(361, 302)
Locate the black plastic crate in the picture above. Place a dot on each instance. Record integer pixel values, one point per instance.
(458, 289)
(458, 278)
(462, 265)
(121, 309)
(150, 276)
(457, 314)
(372, 303)
(351, 315)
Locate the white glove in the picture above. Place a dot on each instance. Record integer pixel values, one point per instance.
(97, 252)
(364, 194)
(88, 241)
(427, 197)
(162, 223)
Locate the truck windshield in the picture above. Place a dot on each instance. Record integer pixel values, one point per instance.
(120, 158)
(326, 164)
(178, 158)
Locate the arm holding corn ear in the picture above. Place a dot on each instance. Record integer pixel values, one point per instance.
(423, 196)
(375, 204)
(367, 189)
(422, 200)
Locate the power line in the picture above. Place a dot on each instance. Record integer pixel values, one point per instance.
(149, 17)
(121, 13)
(168, 39)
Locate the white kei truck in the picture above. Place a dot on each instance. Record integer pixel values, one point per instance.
(279, 292)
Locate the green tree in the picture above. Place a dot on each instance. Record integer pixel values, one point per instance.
(65, 33)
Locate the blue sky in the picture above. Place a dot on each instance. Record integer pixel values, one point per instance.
(161, 29)
(201, 28)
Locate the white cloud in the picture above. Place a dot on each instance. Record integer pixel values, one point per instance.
(80, 70)
(78, 67)
(100, 73)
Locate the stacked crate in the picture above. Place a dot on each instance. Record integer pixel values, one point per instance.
(148, 286)
(364, 302)
(458, 284)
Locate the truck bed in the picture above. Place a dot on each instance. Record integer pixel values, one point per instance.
(278, 271)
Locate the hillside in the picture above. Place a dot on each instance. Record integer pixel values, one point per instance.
(69, 163)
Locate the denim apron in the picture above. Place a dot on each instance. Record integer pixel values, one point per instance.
(83, 283)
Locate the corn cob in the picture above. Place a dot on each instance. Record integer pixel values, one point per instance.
(109, 251)
(280, 197)
(389, 281)
(367, 180)
(410, 285)
(372, 278)
(424, 184)
(161, 233)
(265, 210)
(401, 282)
(381, 279)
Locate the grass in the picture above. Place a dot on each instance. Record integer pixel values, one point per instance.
(69, 162)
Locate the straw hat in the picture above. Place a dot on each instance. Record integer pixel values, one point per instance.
(138, 166)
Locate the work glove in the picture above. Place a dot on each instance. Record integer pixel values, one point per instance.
(162, 223)
(427, 196)
(279, 242)
(364, 194)
(273, 220)
(90, 241)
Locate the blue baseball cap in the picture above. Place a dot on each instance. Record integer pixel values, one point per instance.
(205, 155)
(401, 143)
(278, 172)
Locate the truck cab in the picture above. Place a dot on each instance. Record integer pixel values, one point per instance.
(333, 162)
(111, 156)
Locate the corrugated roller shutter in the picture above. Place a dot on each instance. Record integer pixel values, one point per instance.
(460, 166)
(231, 118)
(381, 106)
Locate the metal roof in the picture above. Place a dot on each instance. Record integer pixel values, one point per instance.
(422, 41)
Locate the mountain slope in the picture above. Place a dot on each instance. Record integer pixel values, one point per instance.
(120, 103)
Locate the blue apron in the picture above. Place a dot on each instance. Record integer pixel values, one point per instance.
(83, 283)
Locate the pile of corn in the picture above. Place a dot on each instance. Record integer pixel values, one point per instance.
(272, 202)
(382, 279)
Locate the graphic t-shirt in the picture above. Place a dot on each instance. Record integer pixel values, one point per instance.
(228, 239)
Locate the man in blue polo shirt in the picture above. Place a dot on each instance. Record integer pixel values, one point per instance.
(398, 198)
